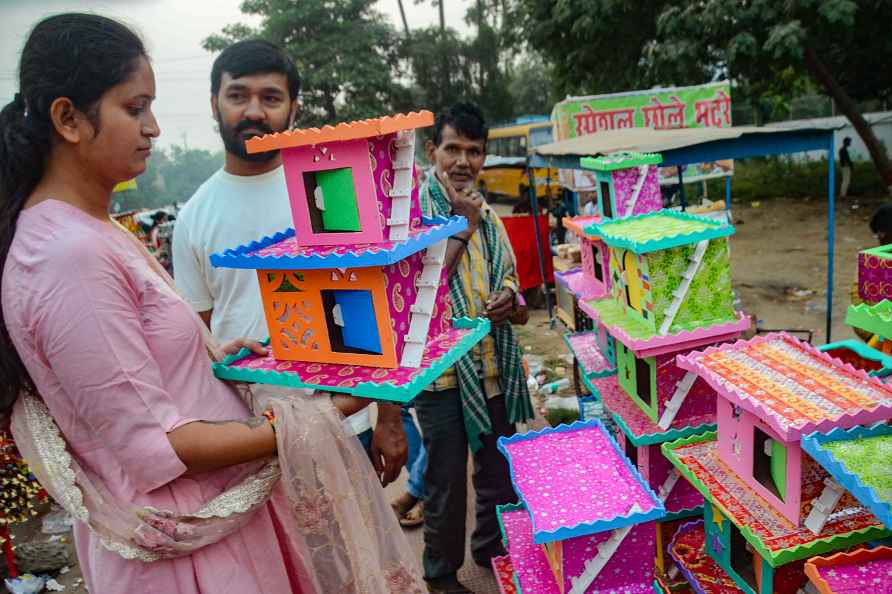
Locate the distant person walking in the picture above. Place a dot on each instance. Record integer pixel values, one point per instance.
(845, 164)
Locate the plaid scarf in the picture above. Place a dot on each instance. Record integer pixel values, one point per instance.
(511, 375)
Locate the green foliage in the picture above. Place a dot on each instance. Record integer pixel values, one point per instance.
(558, 416)
(172, 176)
(780, 177)
(346, 51)
(602, 46)
(530, 86)
(354, 64)
(760, 42)
(596, 46)
(447, 68)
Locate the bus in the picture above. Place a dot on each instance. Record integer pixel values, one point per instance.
(504, 173)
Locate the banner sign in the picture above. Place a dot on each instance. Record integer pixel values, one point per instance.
(665, 108)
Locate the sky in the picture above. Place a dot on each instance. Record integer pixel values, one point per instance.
(173, 31)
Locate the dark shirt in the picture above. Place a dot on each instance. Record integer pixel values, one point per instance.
(844, 159)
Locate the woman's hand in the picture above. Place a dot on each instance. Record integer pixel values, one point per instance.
(234, 346)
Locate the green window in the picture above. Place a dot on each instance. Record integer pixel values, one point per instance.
(331, 197)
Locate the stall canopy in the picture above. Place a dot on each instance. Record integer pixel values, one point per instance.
(696, 145)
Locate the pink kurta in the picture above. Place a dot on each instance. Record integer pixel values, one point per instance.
(119, 361)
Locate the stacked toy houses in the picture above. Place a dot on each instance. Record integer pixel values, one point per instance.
(585, 521)
(788, 446)
(355, 294)
(859, 459)
(771, 501)
(655, 284)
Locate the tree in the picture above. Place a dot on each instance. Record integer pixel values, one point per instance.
(837, 43)
(446, 67)
(346, 51)
(594, 46)
(530, 86)
(171, 177)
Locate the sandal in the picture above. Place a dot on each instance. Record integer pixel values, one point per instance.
(403, 504)
(414, 517)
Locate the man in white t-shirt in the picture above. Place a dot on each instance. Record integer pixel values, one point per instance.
(254, 90)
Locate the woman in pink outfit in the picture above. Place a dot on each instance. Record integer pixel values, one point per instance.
(108, 368)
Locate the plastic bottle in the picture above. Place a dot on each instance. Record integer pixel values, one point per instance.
(553, 387)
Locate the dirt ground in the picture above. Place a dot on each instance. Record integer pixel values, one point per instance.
(779, 262)
(779, 270)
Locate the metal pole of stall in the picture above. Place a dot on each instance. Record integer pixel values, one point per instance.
(728, 193)
(534, 204)
(681, 196)
(831, 227)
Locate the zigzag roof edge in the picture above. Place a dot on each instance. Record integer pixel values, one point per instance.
(339, 132)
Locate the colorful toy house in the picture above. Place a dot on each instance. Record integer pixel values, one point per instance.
(671, 293)
(670, 272)
(628, 183)
(688, 551)
(860, 461)
(876, 319)
(856, 572)
(355, 295)
(584, 282)
(567, 286)
(595, 258)
(681, 499)
(593, 351)
(875, 274)
(584, 524)
(503, 571)
(860, 356)
(769, 504)
(353, 183)
(590, 281)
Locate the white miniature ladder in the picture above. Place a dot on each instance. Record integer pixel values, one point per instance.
(682, 291)
(606, 550)
(401, 193)
(639, 184)
(423, 309)
(823, 505)
(681, 392)
(668, 485)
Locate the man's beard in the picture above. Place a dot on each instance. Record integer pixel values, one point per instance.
(234, 141)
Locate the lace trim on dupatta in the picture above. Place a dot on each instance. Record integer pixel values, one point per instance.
(54, 457)
(158, 532)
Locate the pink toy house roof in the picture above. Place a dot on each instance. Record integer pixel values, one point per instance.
(794, 387)
(575, 481)
(578, 224)
(581, 285)
(344, 131)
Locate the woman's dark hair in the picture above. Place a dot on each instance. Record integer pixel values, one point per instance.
(465, 118)
(254, 56)
(78, 56)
